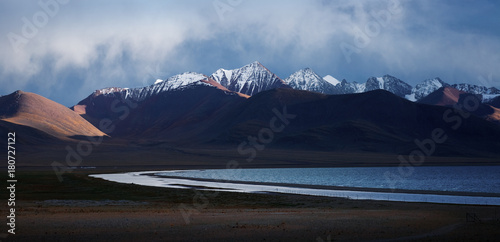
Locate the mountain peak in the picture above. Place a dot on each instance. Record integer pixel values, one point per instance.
(183, 79)
(254, 64)
(388, 83)
(387, 76)
(425, 88)
(307, 79)
(249, 79)
(475, 89)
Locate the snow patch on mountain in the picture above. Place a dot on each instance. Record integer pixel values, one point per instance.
(177, 82)
(425, 88)
(411, 97)
(332, 80)
(307, 79)
(222, 76)
(381, 82)
(489, 97)
(388, 83)
(359, 87)
(475, 89)
(250, 79)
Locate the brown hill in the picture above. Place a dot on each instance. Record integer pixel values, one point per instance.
(451, 97)
(34, 112)
(444, 96)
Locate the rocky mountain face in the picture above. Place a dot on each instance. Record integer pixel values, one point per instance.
(487, 93)
(388, 83)
(250, 79)
(425, 88)
(306, 79)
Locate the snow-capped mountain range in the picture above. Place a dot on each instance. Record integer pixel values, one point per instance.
(176, 82)
(488, 94)
(254, 78)
(307, 79)
(250, 79)
(425, 88)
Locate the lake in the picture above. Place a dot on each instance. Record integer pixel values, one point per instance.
(482, 182)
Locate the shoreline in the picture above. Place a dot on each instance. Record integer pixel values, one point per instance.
(344, 188)
(141, 178)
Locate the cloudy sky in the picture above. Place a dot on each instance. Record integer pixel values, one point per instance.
(66, 49)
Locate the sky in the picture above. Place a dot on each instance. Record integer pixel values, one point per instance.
(66, 49)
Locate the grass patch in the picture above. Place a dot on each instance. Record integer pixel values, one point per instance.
(44, 185)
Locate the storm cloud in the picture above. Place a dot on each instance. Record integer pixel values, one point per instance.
(65, 49)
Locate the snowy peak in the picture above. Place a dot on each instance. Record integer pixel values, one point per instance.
(222, 76)
(387, 82)
(425, 88)
(332, 80)
(429, 86)
(487, 94)
(345, 87)
(249, 79)
(307, 79)
(182, 80)
(475, 89)
(394, 85)
(177, 82)
(374, 83)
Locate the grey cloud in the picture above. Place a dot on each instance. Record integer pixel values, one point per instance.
(119, 43)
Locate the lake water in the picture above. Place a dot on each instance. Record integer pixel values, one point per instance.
(470, 179)
(460, 178)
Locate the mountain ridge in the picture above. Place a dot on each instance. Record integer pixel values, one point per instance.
(255, 77)
(193, 110)
(249, 79)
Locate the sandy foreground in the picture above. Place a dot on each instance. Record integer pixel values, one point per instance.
(87, 209)
(367, 220)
